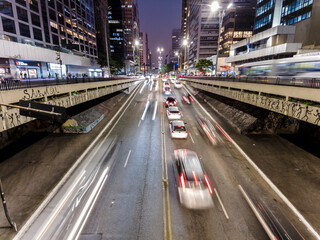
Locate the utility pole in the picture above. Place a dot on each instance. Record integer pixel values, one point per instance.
(4, 203)
(58, 58)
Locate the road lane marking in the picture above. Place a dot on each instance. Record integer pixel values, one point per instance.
(144, 84)
(223, 208)
(134, 104)
(151, 86)
(155, 111)
(60, 205)
(89, 206)
(42, 206)
(191, 137)
(145, 110)
(127, 158)
(267, 180)
(139, 123)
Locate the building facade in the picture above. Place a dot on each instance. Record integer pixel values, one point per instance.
(237, 24)
(175, 45)
(144, 53)
(60, 34)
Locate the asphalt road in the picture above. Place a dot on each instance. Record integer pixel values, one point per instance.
(125, 189)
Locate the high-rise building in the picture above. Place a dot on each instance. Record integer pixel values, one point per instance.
(237, 24)
(175, 47)
(46, 30)
(131, 31)
(117, 38)
(102, 28)
(144, 52)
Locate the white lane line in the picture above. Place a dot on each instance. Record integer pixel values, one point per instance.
(223, 208)
(59, 206)
(144, 84)
(191, 137)
(134, 104)
(267, 180)
(155, 111)
(157, 85)
(151, 86)
(145, 110)
(125, 164)
(139, 123)
(90, 203)
(36, 214)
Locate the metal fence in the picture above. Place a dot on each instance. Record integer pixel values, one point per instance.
(11, 84)
(294, 81)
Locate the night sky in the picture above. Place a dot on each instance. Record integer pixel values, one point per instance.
(157, 19)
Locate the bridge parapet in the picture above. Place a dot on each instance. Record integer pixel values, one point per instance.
(60, 95)
(297, 102)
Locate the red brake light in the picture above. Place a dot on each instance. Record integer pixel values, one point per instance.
(172, 132)
(182, 182)
(208, 184)
(184, 98)
(174, 102)
(191, 98)
(187, 132)
(167, 102)
(195, 178)
(170, 90)
(169, 112)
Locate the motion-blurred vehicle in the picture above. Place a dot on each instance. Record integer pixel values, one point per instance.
(173, 113)
(186, 98)
(178, 84)
(177, 129)
(170, 101)
(173, 80)
(164, 79)
(208, 129)
(193, 185)
(167, 91)
(166, 84)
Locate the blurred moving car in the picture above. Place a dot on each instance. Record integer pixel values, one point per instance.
(164, 79)
(193, 185)
(208, 129)
(166, 84)
(178, 84)
(178, 129)
(186, 98)
(170, 101)
(167, 91)
(173, 113)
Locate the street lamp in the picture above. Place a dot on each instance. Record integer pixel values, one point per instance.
(177, 55)
(185, 44)
(222, 11)
(160, 50)
(136, 44)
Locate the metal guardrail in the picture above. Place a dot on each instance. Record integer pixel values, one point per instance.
(285, 81)
(11, 84)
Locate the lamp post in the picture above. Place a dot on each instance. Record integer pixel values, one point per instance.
(222, 11)
(135, 45)
(185, 44)
(177, 55)
(160, 50)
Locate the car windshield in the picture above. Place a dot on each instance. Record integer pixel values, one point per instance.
(170, 99)
(179, 128)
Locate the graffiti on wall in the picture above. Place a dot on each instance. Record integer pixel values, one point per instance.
(31, 93)
(297, 110)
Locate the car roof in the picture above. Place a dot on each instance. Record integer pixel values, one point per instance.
(173, 109)
(191, 163)
(177, 123)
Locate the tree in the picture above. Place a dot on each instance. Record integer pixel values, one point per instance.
(116, 65)
(204, 65)
(167, 67)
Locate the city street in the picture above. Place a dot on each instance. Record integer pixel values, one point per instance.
(125, 187)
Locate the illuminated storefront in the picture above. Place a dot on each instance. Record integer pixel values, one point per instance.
(5, 71)
(55, 70)
(28, 69)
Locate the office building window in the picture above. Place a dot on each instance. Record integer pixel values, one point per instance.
(51, 3)
(34, 5)
(52, 15)
(59, 7)
(6, 8)
(24, 30)
(35, 19)
(55, 39)
(21, 2)
(8, 25)
(66, 3)
(37, 34)
(22, 14)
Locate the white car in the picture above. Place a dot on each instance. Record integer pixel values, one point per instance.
(177, 84)
(166, 84)
(164, 79)
(178, 129)
(173, 113)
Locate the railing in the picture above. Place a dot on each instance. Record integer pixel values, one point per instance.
(11, 84)
(294, 81)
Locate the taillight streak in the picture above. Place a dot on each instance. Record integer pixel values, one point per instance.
(182, 182)
(223, 132)
(208, 184)
(195, 178)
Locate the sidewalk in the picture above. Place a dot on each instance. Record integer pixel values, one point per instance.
(30, 175)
